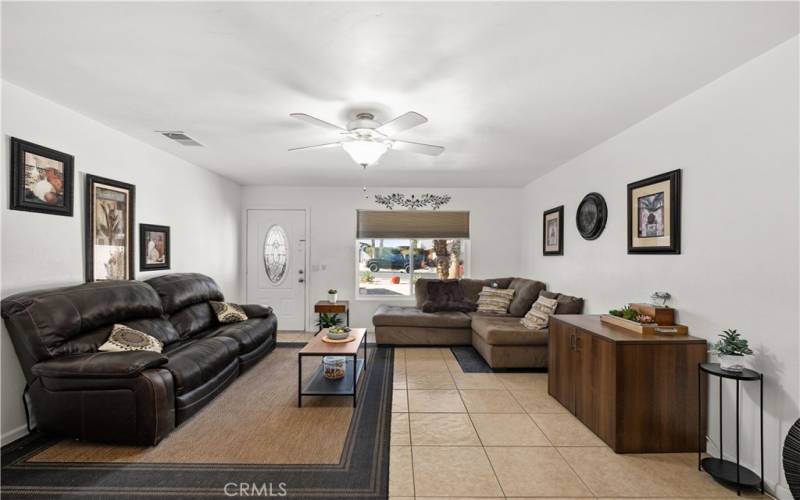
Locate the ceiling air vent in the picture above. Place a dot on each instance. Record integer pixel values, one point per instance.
(179, 137)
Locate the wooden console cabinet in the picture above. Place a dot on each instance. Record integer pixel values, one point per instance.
(638, 393)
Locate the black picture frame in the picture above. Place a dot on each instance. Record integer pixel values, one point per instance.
(560, 212)
(591, 228)
(21, 198)
(93, 181)
(670, 204)
(144, 243)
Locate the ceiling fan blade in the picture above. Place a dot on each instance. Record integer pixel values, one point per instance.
(402, 122)
(416, 147)
(317, 146)
(316, 121)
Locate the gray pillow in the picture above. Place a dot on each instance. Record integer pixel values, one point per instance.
(525, 294)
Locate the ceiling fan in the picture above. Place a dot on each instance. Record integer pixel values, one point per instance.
(366, 140)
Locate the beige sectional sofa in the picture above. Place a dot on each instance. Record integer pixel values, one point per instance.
(499, 338)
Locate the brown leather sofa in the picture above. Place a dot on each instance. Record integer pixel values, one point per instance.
(499, 338)
(134, 397)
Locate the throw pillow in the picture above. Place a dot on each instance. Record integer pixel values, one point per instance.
(539, 316)
(495, 300)
(228, 312)
(123, 338)
(445, 295)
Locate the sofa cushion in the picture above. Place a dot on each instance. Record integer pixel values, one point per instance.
(525, 294)
(249, 334)
(194, 319)
(495, 300)
(124, 338)
(507, 330)
(195, 362)
(58, 321)
(567, 304)
(539, 316)
(179, 290)
(446, 295)
(387, 315)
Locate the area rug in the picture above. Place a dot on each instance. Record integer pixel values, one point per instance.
(252, 440)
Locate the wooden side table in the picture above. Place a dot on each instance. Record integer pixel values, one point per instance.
(327, 307)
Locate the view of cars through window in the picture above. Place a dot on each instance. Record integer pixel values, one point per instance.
(385, 265)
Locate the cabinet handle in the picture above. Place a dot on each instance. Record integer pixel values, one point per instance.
(572, 341)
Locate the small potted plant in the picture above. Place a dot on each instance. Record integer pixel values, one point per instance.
(333, 295)
(731, 350)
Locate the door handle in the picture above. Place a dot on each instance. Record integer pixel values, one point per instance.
(301, 280)
(299, 271)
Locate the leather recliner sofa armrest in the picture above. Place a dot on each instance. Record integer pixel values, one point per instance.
(99, 364)
(256, 310)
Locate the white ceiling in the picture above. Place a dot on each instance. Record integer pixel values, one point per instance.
(512, 90)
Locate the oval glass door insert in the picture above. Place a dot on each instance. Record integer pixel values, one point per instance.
(276, 253)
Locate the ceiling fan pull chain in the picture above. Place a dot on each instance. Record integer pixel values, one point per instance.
(364, 181)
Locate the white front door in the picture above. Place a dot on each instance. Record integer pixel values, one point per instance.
(276, 264)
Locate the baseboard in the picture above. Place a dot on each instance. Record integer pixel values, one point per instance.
(14, 434)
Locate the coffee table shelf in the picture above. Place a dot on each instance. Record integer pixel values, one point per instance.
(354, 367)
(321, 386)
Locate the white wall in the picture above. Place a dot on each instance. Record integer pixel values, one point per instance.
(737, 143)
(493, 248)
(39, 250)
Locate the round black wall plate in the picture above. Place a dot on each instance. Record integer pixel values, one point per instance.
(591, 216)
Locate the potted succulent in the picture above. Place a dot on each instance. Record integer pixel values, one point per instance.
(731, 350)
(333, 295)
(328, 320)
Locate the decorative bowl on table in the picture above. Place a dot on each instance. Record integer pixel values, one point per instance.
(338, 333)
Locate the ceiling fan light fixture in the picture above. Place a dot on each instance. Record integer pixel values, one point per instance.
(365, 152)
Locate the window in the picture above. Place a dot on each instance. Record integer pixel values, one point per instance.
(385, 258)
(276, 253)
(384, 265)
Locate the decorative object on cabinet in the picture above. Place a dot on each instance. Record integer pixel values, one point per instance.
(154, 249)
(42, 179)
(553, 231)
(662, 297)
(654, 214)
(109, 229)
(591, 216)
(333, 295)
(720, 469)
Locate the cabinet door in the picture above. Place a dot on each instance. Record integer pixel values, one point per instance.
(561, 383)
(584, 378)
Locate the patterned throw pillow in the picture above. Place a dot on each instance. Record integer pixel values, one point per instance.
(228, 312)
(123, 338)
(495, 300)
(539, 316)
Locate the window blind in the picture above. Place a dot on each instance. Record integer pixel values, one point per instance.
(412, 224)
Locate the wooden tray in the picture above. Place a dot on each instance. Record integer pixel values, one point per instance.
(652, 329)
(342, 341)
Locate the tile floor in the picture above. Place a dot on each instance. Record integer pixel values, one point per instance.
(472, 435)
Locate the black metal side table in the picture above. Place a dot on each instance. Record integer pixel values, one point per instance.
(719, 468)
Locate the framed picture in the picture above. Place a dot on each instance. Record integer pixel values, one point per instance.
(41, 179)
(153, 247)
(109, 229)
(654, 214)
(553, 238)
